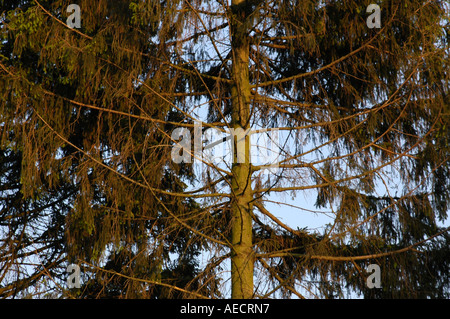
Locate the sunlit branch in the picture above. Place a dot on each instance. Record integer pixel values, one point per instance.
(153, 282)
(353, 258)
(343, 58)
(120, 174)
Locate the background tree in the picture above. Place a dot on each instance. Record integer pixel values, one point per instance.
(83, 183)
(363, 115)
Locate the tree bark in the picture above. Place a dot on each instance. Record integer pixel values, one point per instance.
(242, 255)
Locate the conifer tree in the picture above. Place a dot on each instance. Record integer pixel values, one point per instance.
(112, 123)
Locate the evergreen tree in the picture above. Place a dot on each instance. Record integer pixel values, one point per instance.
(85, 179)
(99, 118)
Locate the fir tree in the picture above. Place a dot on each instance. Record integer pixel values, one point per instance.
(361, 111)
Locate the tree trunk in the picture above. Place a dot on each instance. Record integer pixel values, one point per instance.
(242, 257)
